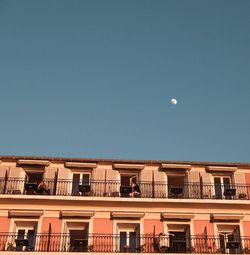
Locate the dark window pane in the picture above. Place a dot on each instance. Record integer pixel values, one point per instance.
(123, 241)
(75, 184)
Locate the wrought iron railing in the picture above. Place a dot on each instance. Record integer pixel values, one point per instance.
(109, 188)
(128, 243)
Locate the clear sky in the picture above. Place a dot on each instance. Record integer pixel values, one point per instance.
(94, 79)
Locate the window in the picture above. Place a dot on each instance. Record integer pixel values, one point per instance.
(126, 183)
(81, 184)
(77, 236)
(129, 237)
(179, 238)
(229, 239)
(34, 177)
(26, 235)
(222, 187)
(176, 186)
(127, 179)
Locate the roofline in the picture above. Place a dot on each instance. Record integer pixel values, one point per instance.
(101, 160)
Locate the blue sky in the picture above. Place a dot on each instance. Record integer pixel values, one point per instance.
(94, 79)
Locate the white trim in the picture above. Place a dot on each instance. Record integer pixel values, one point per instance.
(240, 225)
(216, 231)
(116, 221)
(89, 221)
(125, 221)
(190, 224)
(13, 220)
(72, 172)
(66, 230)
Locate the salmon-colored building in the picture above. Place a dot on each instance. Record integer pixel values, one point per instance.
(80, 205)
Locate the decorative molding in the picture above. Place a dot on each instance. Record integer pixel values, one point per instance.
(176, 166)
(130, 215)
(76, 214)
(221, 168)
(129, 166)
(80, 165)
(177, 216)
(33, 162)
(25, 213)
(226, 217)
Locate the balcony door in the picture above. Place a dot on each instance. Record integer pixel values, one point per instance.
(80, 184)
(78, 235)
(220, 185)
(179, 238)
(129, 237)
(78, 240)
(176, 186)
(229, 240)
(26, 236)
(34, 176)
(126, 180)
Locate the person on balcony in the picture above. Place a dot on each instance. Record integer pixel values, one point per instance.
(136, 192)
(42, 188)
(161, 243)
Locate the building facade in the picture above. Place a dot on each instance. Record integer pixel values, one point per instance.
(76, 205)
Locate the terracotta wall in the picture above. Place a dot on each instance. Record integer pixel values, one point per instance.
(103, 226)
(4, 227)
(56, 225)
(54, 241)
(247, 178)
(4, 224)
(246, 228)
(199, 226)
(150, 225)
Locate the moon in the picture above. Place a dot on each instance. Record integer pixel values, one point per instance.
(173, 101)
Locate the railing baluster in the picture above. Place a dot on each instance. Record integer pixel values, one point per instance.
(149, 189)
(106, 243)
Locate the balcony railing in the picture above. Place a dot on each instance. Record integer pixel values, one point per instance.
(102, 188)
(116, 243)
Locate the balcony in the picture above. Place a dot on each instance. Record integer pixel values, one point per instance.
(100, 243)
(107, 188)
